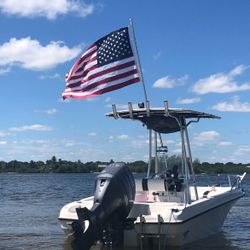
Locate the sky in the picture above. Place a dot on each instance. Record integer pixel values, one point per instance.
(194, 54)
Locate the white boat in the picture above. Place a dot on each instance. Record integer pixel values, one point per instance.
(168, 209)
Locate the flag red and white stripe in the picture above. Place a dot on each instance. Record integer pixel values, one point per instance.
(107, 65)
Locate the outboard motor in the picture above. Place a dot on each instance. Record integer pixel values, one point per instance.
(113, 200)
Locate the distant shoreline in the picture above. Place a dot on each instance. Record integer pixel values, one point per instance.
(62, 166)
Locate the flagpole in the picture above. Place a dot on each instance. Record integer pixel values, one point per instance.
(138, 63)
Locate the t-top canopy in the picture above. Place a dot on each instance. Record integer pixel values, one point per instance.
(162, 120)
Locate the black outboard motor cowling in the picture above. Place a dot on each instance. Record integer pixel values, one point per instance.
(113, 200)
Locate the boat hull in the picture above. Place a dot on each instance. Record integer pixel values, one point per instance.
(182, 226)
(181, 233)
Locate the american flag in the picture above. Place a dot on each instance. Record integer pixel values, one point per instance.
(107, 65)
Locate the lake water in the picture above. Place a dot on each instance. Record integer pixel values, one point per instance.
(30, 204)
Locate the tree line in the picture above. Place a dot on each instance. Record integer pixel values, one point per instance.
(55, 165)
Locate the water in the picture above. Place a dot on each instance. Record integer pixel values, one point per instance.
(30, 204)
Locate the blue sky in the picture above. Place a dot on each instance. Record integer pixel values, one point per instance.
(195, 54)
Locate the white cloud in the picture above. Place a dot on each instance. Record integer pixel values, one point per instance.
(52, 111)
(3, 142)
(206, 136)
(176, 151)
(92, 134)
(34, 127)
(32, 141)
(225, 143)
(222, 82)
(122, 137)
(156, 56)
(69, 143)
(140, 143)
(244, 149)
(188, 100)
(68, 149)
(30, 54)
(54, 76)
(242, 152)
(234, 106)
(45, 8)
(2, 133)
(168, 82)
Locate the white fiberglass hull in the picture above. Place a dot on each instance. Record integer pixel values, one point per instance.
(168, 223)
(68, 213)
(181, 233)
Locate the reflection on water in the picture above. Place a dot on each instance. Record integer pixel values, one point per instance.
(30, 204)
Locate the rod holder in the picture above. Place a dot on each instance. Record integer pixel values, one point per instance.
(166, 108)
(114, 111)
(147, 108)
(130, 108)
